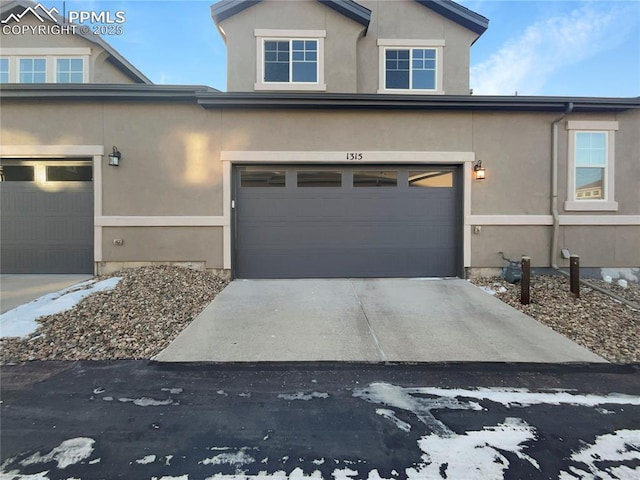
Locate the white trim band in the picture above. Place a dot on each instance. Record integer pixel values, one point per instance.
(159, 221)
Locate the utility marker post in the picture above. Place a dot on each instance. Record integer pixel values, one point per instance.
(525, 282)
(574, 275)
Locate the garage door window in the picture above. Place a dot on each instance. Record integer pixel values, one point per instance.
(431, 179)
(16, 173)
(375, 179)
(262, 178)
(69, 174)
(319, 179)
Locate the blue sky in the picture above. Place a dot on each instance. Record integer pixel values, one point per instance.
(534, 47)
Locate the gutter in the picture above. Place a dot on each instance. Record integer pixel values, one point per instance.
(554, 185)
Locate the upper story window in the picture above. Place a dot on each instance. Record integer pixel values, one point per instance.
(33, 70)
(44, 65)
(290, 60)
(591, 166)
(69, 70)
(411, 66)
(4, 70)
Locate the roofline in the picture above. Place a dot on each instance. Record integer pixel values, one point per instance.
(475, 22)
(208, 97)
(84, 92)
(120, 62)
(224, 9)
(350, 9)
(459, 14)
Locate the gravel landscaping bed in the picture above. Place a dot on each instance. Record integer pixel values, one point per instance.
(152, 305)
(604, 325)
(148, 308)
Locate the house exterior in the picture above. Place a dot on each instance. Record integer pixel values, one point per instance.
(345, 146)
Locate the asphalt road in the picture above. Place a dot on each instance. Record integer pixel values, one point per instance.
(143, 420)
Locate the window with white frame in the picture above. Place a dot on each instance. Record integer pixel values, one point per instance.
(69, 70)
(591, 166)
(411, 66)
(4, 70)
(45, 65)
(290, 60)
(33, 70)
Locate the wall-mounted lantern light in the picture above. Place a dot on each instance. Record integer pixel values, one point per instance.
(114, 157)
(479, 171)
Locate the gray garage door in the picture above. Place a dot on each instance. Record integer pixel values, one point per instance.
(46, 216)
(314, 222)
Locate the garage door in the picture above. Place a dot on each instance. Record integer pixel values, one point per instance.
(46, 216)
(315, 222)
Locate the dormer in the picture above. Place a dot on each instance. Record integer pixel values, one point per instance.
(340, 46)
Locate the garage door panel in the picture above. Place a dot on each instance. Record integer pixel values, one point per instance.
(46, 227)
(391, 231)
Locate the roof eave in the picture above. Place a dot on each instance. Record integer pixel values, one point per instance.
(227, 8)
(459, 14)
(209, 97)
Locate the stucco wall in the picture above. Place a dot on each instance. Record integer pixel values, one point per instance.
(340, 41)
(171, 167)
(409, 20)
(351, 55)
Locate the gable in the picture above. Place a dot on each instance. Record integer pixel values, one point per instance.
(356, 12)
(28, 12)
(353, 10)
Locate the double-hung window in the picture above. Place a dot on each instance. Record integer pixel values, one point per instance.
(33, 70)
(591, 166)
(290, 60)
(411, 66)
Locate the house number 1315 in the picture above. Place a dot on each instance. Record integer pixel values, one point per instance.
(354, 156)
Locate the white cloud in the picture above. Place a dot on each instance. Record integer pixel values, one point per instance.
(525, 63)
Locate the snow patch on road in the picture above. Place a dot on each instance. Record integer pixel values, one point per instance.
(475, 454)
(146, 460)
(69, 452)
(302, 396)
(391, 415)
(147, 402)
(236, 459)
(521, 397)
(600, 459)
(21, 321)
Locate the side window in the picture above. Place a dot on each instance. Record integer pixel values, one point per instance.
(591, 166)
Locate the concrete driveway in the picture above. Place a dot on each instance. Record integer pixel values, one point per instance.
(18, 289)
(366, 320)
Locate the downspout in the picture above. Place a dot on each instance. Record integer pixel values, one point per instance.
(554, 184)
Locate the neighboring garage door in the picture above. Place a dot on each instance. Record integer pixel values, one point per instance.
(379, 221)
(46, 216)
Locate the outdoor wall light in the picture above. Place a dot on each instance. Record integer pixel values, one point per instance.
(479, 171)
(114, 157)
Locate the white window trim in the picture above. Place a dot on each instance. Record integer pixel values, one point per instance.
(394, 43)
(263, 35)
(51, 55)
(608, 203)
